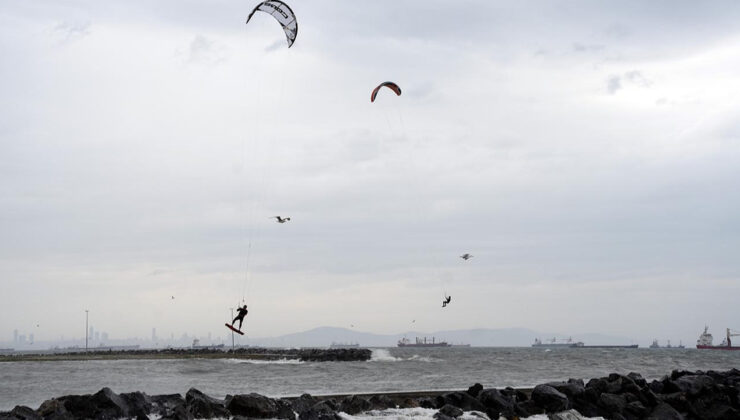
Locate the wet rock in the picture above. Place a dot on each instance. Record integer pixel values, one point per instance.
(637, 408)
(527, 409)
(354, 405)
(24, 413)
(572, 389)
(664, 412)
(427, 403)
(440, 416)
(303, 403)
(320, 411)
(451, 411)
(479, 415)
(550, 399)
(638, 379)
(139, 404)
(677, 400)
(410, 403)
(170, 406)
(514, 395)
(612, 403)
(381, 402)
(285, 410)
(496, 404)
(474, 390)
(461, 400)
(566, 415)
(201, 405)
(694, 384)
(252, 405)
(54, 409)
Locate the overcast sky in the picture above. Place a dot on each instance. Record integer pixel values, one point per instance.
(587, 153)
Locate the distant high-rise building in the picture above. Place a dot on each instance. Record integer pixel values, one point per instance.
(91, 334)
(104, 336)
(15, 336)
(30, 338)
(22, 339)
(154, 334)
(97, 335)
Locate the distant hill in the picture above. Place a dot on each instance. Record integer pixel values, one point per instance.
(504, 337)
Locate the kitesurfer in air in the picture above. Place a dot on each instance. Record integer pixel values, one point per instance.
(241, 313)
(446, 301)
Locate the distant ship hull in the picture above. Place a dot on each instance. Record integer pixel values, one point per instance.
(717, 347)
(442, 344)
(629, 346)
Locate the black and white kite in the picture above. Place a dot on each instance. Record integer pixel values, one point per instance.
(283, 14)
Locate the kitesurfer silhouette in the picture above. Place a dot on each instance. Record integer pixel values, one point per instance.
(241, 313)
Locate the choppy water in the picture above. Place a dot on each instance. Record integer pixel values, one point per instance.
(395, 369)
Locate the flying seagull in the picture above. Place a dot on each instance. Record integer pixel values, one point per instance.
(280, 219)
(466, 256)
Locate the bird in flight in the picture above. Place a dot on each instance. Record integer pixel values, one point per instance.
(466, 256)
(280, 219)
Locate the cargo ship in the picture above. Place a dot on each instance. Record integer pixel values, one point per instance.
(705, 341)
(655, 345)
(553, 343)
(422, 342)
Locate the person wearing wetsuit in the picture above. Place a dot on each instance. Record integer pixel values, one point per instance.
(446, 301)
(241, 313)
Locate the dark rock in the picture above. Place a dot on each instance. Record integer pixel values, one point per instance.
(571, 389)
(381, 402)
(496, 404)
(427, 403)
(550, 399)
(461, 400)
(54, 409)
(24, 413)
(694, 384)
(409, 403)
(474, 390)
(201, 405)
(527, 409)
(320, 411)
(252, 405)
(170, 406)
(451, 411)
(638, 379)
(637, 408)
(566, 415)
(612, 403)
(285, 409)
(657, 387)
(440, 416)
(514, 395)
(679, 373)
(720, 412)
(664, 412)
(109, 404)
(139, 404)
(676, 400)
(303, 403)
(354, 405)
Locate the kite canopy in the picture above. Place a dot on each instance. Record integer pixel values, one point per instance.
(283, 14)
(390, 85)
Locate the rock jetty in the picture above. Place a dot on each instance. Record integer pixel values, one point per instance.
(681, 395)
(306, 355)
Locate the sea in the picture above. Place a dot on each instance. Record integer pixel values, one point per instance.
(389, 370)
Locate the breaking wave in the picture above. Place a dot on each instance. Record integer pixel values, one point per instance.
(384, 355)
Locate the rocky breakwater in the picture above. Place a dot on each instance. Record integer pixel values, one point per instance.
(307, 355)
(680, 395)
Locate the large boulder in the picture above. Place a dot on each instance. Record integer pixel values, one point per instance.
(320, 411)
(381, 402)
(550, 399)
(474, 390)
(567, 415)
(612, 403)
(139, 404)
(694, 384)
(201, 405)
(252, 405)
(451, 411)
(572, 389)
(461, 400)
(303, 403)
(664, 412)
(54, 409)
(354, 405)
(496, 403)
(170, 406)
(24, 413)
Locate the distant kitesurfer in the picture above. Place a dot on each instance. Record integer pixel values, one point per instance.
(280, 219)
(466, 256)
(446, 301)
(241, 313)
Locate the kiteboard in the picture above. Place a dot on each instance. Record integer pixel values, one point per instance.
(229, 326)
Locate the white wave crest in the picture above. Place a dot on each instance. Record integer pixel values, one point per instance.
(383, 355)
